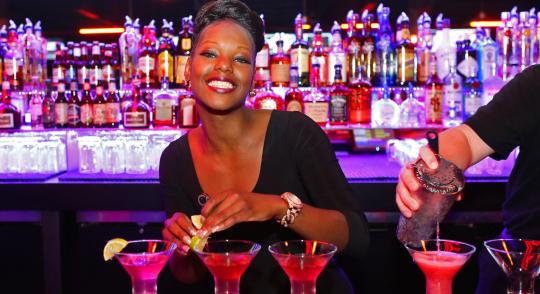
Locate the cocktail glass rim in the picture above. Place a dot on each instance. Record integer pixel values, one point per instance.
(470, 252)
(170, 249)
(274, 252)
(255, 247)
(507, 251)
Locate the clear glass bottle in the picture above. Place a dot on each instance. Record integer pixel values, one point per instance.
(128, 44)
(368, 58)
(165, 106)
(412, 112)
(147, 59)
(488, 53)
(445, 50)
(434, 95)
(188, 115)
(452, 98)
(353, 47)
(316, 102)
(405, 52)
(385, 70)
(472, 96)
(386, 112)
(319, 55)
(336, 55)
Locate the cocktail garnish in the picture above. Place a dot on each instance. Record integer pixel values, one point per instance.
(112, 247)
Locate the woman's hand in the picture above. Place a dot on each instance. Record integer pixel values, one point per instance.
(228, 208)
(179, 229)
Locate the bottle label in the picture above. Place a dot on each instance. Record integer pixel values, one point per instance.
(262, 74)
(453, 97)
(187, 107)
(181, 61)
(445, 57)
(108, 74)
(268, 103)
(6, 121)
(74, 114)
(472, 103)
(165, 66)
(146, 64)
(163, 110)
(360, 106)
(82, 74)
(280, 72)
(186, 44)
(433, 105)
(423, 66)
(262, 58)
(405, 65)
(135, 119)
(333, 59)
(338, 108)
(112, 112)
(317, 111)
(94, 75)
(489, 60)
(86, 113)
(57, 74)
(9, 66)
(100, 111)
(468, 67)
(300, 58)
(61, 113)
(294, 105)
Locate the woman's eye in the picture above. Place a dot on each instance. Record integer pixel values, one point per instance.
(208, 54)
(243, 60)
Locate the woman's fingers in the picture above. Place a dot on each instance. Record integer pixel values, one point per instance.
(429, 157)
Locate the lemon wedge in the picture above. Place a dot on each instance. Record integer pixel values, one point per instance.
(112, 247)
(197, 243)
(197, 221)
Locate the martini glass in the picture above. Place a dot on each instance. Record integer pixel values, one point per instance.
(302, 261)
(520, 261)
(440, 260)
(227, 260)
(144, 260)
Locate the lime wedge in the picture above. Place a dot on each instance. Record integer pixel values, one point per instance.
(112, 247)
(197, 243)
(197, 221)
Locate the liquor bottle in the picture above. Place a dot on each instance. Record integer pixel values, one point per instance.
(10, 116)
(262, 62)
(48, 110)
(514, 59)
(360, 100)
(268, 99)
(434, 95)
(165, 108)
(82, 63)
(472, 96)
(299, 53)
(452, 98)
(336, 55)
(136, 30)
(13, 63)
(112, 107)
(70, 61)
(165, 59)
(188, 115)
(61, 106)
(147, 59)
(505, 35)
(3, 49)
(339, 95)
(28, 41)
(99, 108)
(367, 50)
(108, 71)
(74, 107)
(385, 111)
(491, 85)
(353, 47)
(412, 112)
(136, 113)
(406, 59)
(58, 70)
(87, 116)
(525, 40)
(488, 53)
(95, 66)
(36, 110)
(294, 97)
(41, 48)
(535, 37)
(128, 45)
(385, 73)
(279, 67)
(316, 104)
(423, 49)
(319, 56)
(183, 52)
(445, 50)
(467, 64)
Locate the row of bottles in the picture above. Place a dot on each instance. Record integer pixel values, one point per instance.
(100, 107)
(23, 55)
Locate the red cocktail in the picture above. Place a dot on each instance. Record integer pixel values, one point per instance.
(227, 260)
(302, 261)
(143, 260)
(440, 260)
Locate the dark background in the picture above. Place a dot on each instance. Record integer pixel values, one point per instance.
(63, 18)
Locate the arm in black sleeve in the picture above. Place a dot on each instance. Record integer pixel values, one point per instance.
(511, 116)
(325, 182)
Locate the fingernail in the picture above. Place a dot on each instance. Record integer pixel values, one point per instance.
(192, 232)
(202, 233)
(215, 229)
(186, 240)
(433, 165)
(185, 248)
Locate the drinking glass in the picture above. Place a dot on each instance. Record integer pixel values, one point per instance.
(227, 260)
(114, 158)
(440, 260)
(143, 260)
(90, 154)
(136, 154)
(302, 261)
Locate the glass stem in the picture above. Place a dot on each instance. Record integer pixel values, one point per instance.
(520, 285)
(140, 286)
(303, 287)
(227, 286)
(439, 286)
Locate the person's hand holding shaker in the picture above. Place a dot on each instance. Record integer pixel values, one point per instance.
(440, 187)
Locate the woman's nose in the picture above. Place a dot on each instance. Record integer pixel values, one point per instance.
(223, 64)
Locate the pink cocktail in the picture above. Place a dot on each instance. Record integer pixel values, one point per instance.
(227, 260)
(440, 260)
(302, 261)
(143, 260)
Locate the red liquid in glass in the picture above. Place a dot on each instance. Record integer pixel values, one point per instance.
(143, 267)
(439, 267)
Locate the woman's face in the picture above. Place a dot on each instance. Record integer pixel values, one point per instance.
(222, 66)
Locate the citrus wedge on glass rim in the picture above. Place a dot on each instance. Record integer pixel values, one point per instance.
(197, 243)
(112, 247)
(197, 221)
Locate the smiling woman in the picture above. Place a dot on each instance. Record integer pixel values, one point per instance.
(268, 176)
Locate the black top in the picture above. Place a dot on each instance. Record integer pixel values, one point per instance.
(510, 120)
(298, 158)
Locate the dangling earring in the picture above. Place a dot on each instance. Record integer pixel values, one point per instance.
(252, 93)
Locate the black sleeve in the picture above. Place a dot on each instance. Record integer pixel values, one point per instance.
(170, 179)
(325, 182)
(509, 118)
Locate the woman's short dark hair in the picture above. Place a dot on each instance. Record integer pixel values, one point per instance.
(233, 10)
